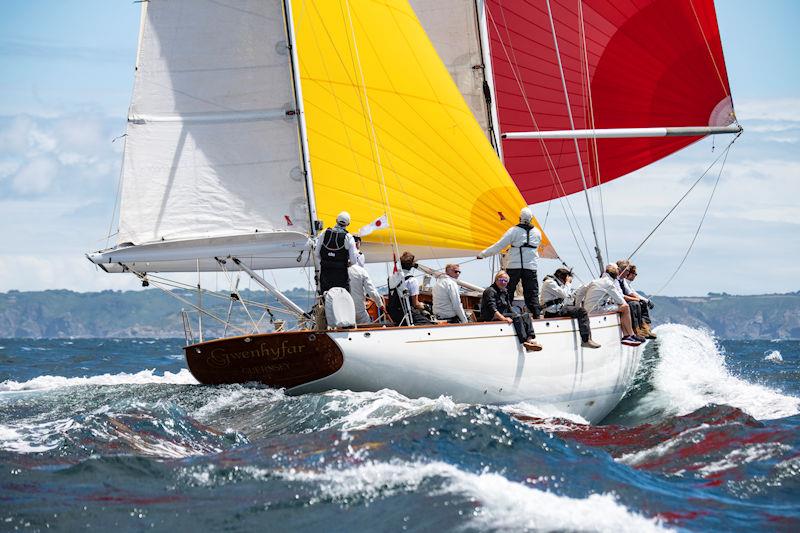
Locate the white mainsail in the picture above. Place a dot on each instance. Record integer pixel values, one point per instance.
(212, 155)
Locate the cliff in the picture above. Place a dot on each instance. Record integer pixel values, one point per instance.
(152, 313)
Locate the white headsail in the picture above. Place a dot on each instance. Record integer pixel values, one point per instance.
(212, 156)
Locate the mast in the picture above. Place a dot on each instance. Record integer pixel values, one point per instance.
(488, 77)
(301, 119)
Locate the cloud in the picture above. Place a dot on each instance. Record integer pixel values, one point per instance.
(779, 109)
(17, 48)
(52, 156)
(73, 272)
(36, 176)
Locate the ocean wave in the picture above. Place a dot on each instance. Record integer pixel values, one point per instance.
(774, 357)
(501, 504)
(349, 411)
(691, 373)
(183, 377)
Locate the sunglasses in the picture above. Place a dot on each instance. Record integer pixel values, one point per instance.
(502, 280)
(456, 272)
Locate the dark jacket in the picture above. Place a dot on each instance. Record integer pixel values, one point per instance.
(494, 299)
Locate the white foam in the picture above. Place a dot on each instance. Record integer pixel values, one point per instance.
(359, 410)
(33, 438)
(500, 504)
(238, 398)
(549, 415)
(691, 373)
(184, 377)
(774, 357)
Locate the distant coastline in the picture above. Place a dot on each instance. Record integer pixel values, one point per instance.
(154, 314)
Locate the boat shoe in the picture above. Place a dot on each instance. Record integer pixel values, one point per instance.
(590, 344)
(631, 340)
(532, 346)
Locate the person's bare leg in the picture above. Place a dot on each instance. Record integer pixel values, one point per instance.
(627, 326)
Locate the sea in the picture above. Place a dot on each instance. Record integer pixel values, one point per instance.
(116, 435)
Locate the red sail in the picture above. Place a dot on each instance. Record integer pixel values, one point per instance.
(635, 64)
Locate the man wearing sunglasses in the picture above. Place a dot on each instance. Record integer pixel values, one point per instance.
(446, 297)
(496, 306)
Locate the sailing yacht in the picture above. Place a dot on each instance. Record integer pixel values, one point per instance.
(254, 122)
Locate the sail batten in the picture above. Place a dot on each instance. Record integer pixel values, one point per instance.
(221, 116)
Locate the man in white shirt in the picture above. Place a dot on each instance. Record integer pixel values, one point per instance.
(524, 239)
(361, 259)
(604, 294)
(361, 287)
(446, 297)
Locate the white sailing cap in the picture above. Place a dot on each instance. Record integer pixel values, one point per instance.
(525, 215)
(343, 218)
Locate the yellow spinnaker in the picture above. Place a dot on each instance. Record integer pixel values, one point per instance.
(422, 158)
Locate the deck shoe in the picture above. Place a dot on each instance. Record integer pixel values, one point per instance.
(532, 346)
(590, 344)
(630, 340)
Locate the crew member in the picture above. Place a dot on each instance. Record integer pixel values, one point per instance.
(604, 294)
(446, 297)
(361, 287)
(335, 250)
(524, 239)
(360, 258)
(496, 305)
(404, 295)
(558, 301)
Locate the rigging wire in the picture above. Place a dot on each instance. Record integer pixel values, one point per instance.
(575, 140)
(593, 141)
(551, 167)
(700, 225)
(376, 146)
(724, 153)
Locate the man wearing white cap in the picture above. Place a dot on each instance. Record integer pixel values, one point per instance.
(335, 251)
(524, 239)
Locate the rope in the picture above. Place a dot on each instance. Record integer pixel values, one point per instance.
(700, 225)
(724, 153)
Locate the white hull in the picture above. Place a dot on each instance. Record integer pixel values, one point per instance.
(485, 363)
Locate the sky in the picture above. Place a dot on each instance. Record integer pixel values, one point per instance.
(66, 73)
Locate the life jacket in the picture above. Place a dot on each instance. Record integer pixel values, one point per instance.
(395, 305)
(527, 243)
(333, 254)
